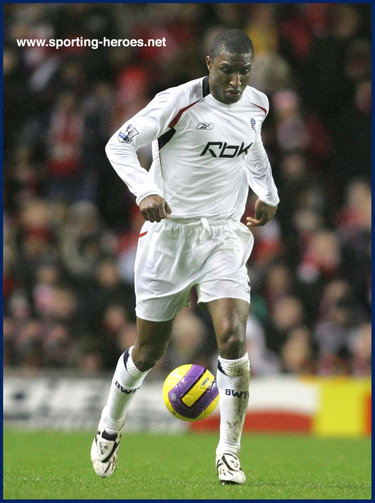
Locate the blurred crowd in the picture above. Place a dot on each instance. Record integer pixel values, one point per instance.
(71, 226)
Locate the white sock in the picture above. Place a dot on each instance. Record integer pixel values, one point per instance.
(233, 379)
(126, 381)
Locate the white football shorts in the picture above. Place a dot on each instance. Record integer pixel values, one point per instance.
(175, 255)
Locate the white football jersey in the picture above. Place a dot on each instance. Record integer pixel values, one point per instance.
(206, 153)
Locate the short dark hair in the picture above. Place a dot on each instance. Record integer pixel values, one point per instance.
(234, 41)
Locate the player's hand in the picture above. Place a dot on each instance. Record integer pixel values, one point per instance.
(154, 208)
(263, 213)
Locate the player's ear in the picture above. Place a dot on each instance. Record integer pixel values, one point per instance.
(208, 63)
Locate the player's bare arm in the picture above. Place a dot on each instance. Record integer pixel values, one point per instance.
(154, 208)
(263, 213)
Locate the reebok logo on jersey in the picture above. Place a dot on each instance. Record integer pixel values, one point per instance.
(128, 135)
(205, 125)
(219, 149)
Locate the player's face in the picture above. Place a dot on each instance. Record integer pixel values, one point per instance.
(229, 75)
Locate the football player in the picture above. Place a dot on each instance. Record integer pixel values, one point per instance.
(207, 153)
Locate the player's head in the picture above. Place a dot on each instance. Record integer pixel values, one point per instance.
(229, 63)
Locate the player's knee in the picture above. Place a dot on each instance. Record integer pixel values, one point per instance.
(232, 340)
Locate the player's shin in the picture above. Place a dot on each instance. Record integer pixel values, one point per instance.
(233, 379)
(126, 382)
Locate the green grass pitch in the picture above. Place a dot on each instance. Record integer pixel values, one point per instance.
(55, 465)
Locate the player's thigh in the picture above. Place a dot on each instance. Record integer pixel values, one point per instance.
(229, 317)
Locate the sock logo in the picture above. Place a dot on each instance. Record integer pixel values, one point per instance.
(125, 390)
(237, 394)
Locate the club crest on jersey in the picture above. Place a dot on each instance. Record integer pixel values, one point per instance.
(253, 122)
(205, 125)
(128, 135)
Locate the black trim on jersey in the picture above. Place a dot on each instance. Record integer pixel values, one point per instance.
(164, 138)
(205, 87)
